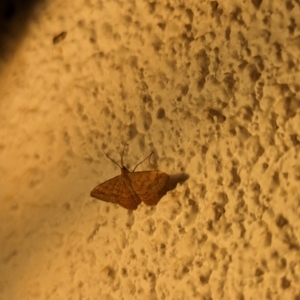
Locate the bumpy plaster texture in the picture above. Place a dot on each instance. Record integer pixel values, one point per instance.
(213, 89)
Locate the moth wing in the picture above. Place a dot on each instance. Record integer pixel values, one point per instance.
(117, 190)
(150, 186)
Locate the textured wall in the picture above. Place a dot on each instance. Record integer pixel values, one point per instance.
(213, 89)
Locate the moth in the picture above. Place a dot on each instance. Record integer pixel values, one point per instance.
(129, 189)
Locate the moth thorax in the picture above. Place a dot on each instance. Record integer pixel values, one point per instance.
(124, 169)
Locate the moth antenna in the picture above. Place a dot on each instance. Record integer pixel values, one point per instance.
(143, 161)
(112, 160)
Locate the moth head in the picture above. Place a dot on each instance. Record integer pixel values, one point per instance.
(124, 169)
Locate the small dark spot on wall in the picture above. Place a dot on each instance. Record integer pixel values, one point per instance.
(204, 149)
(268, 239)
(162, 26)
(67, 206)
(147, 121)
(292, 26)
(105, 110)
(151, 7)
(281, 221)
(218, 211)
(127, 19)
(200, 84)
(202, 190)
(229, 81)
(59, 38)
(285, 283)
(157, 45)
(289, 5)
(214, 5)
(188, 27)
(259, 272)
(147, 99)
(227, 33)
(190, 14)
(237, 16)
(265, 166)
(256, 3)
(111, 272)
(204, 279)
(184, 90)
(275, 178)
(235, 177)
(160, 113)
(278, 51)
(133, 61)
(132, 131)
(254, 74)
(124, 272)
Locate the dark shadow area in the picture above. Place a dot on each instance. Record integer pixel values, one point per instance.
(14, 18)
(175, 179)
(172, 183)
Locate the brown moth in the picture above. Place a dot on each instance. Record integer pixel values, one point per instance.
(129, 189)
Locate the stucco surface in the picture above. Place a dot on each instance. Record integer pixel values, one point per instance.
(213, 89)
